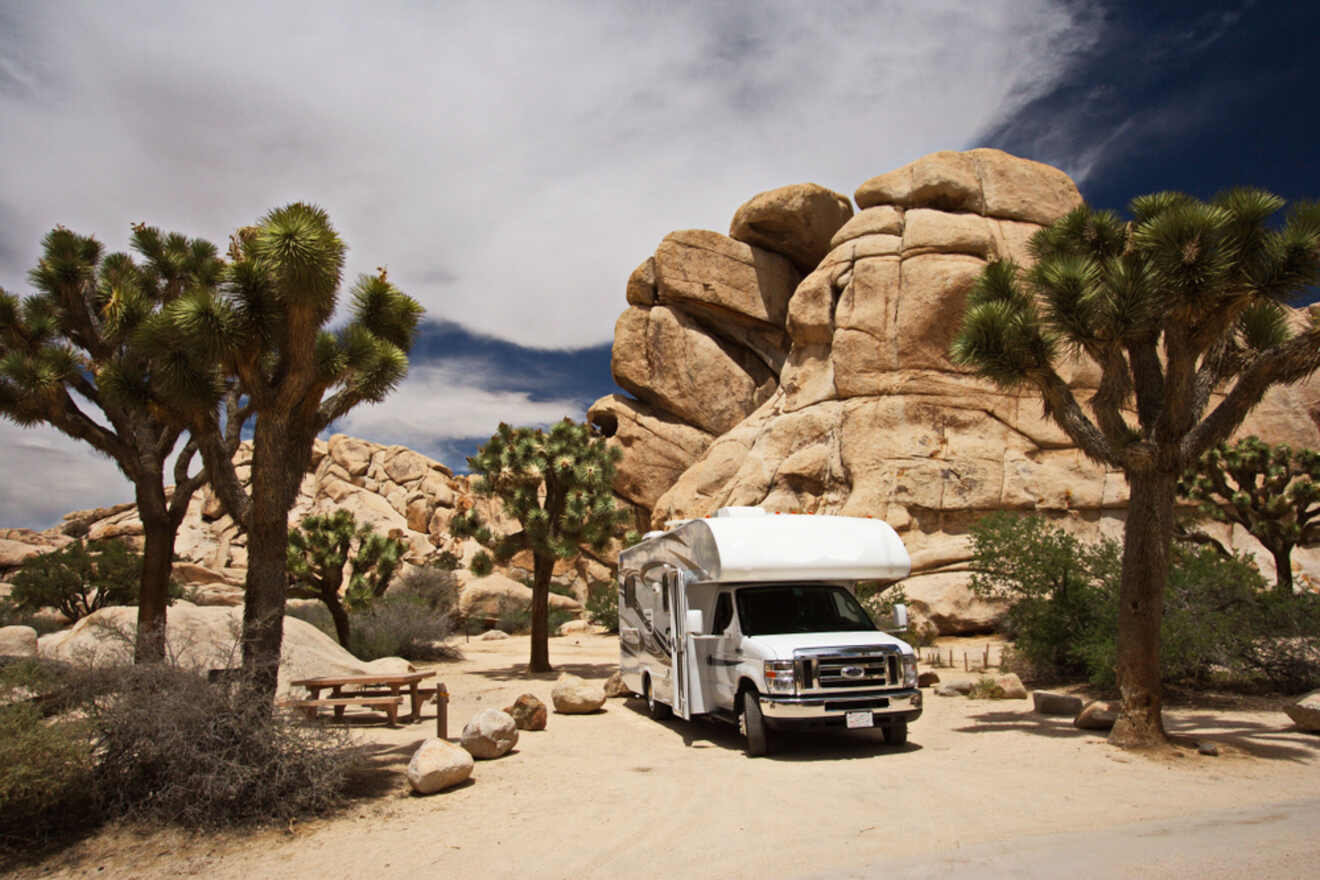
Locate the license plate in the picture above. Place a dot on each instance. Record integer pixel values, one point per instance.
(859, 719)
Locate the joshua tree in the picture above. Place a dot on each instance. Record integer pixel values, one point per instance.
(81, 343)
(1271, 491)
(556, 484)
(260, 340)
(1181, 300)
(318, 551)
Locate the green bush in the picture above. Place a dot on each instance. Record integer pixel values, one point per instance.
(1286, 653)
(1212, 612)
(79, 578)
(45, 775)
(603, 605)
(1061, 590)
(1219, 614)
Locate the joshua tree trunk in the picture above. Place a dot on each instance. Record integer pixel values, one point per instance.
(1147, 538)
(1283, 583)
(543, 567)
(338, 614)
(268, 547)
(157, 563)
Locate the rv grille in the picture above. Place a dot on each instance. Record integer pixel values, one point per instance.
(876, 668)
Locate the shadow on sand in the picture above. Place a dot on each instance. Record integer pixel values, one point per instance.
(825, 744)
(1280, 742)
(518, 671)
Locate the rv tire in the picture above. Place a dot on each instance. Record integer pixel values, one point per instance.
(752, 724)
(896, 734)
(657, 710)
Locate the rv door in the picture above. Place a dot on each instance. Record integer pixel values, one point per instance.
(676, 600)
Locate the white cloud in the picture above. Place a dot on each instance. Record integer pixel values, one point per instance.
(534, 153)
(450, 401)
(510, 162)
(47, 475)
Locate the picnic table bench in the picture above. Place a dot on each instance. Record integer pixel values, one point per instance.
(383, 692)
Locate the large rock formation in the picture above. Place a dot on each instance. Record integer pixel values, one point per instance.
(705, 338)
(865, 415)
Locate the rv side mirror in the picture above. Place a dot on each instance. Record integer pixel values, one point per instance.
(695, 624)
(900, 616)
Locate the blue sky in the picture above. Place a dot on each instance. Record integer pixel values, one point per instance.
(512, 162)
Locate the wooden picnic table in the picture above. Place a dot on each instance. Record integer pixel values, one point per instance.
(368, 687)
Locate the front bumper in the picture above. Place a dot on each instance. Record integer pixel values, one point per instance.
(887, 707)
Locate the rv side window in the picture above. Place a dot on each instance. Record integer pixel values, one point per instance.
(630, 591)
(723, 614)
(664, 595)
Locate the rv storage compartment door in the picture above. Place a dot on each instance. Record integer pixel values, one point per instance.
(702, 672)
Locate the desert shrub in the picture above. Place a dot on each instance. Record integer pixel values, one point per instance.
(79, 578)
(25, 678)
(44, 623)
(556, 618)
(1286, 652)
(514, 617)
(603, 605)
(985, 688)
(1219, 614)
(170, 747)
(1209, 607)
(436, 586)
(45, 775)
(401, 625)
(1061, 590)
(315, 614)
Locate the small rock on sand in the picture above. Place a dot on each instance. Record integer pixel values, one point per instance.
(574, 696)
(437, 765)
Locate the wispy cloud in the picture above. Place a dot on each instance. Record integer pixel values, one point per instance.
(1145, 78)
(47, 475)
(442, 403)
(509, 162)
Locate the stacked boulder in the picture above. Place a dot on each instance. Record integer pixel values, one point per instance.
(705, 338)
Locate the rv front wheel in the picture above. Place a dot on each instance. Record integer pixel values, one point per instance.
(896, 734)
(752, 725)
(657, 710)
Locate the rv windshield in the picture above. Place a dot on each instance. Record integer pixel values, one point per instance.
(795, 608)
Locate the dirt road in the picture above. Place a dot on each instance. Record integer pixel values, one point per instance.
(616, 794)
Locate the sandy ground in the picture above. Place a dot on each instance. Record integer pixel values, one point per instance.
(616, 794)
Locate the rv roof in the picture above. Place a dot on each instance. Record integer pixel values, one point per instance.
(767, 547)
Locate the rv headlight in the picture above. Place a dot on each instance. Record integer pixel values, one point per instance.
(779, 677)
(910, 670)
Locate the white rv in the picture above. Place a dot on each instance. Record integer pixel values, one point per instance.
(752, 617)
